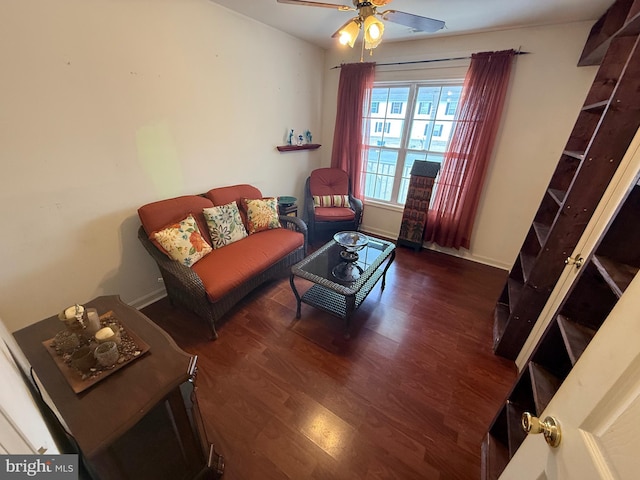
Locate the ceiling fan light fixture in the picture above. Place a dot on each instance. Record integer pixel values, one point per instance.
(373, 30)
(349, 33)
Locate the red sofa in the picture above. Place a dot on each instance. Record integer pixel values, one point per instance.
(219, 280)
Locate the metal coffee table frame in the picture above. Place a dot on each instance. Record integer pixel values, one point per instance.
(336, 297)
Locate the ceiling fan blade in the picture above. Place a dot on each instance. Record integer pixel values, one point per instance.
(342, 8)
(418, 23)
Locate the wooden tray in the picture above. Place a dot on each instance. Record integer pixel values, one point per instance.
(80, 382)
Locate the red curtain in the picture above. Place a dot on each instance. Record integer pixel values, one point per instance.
(458, 188)
(354, 91)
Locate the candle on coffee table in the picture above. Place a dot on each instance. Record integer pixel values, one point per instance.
(105, 334)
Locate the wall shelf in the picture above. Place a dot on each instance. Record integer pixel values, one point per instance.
(291, 148)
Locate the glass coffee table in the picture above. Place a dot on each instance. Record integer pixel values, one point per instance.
(325, 267)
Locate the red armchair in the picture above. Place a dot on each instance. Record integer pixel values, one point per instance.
(329, 206)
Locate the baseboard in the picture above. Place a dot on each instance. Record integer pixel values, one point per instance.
(468, 256)
(148, 299)
(392, 236)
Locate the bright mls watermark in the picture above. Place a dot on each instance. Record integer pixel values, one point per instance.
(50, 467)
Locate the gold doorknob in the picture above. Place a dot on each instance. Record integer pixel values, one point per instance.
(550, 428)
(577, 261)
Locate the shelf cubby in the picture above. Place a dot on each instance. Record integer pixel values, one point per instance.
(591, 298)
(583, 130)
(495, 456)
(527, 261)
(516, 272)
(624, 233)
(514, 288)
(558, 196)
(563, 175)
(544, 386)
(604, 32)
(634, 13)
(576, 337)
(542, 232)
(617, 275)
(499, 429)
(522, 394)
(551, 354)
(514, 427)
(501, 315)
(546, 216)
(597, 107)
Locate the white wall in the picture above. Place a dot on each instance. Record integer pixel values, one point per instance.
(110, 104)
(547, 90)
(107, 105)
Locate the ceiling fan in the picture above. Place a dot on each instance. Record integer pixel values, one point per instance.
(367, 22)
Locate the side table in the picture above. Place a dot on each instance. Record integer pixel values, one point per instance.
(141, 422)
(291, 210)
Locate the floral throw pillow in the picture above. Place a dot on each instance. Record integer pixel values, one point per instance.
(182, 241)
(331, 201)
(262, 214)
(225, 224)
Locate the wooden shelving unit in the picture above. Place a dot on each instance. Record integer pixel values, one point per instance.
(292, 148)
(601, 281)
(601, 136)
(603, 131)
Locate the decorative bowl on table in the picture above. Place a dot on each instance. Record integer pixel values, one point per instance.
(286, 201)
(351, 241)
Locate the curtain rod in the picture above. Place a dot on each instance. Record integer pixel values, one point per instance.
(428, 61)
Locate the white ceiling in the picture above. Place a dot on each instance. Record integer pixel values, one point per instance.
(316, 25)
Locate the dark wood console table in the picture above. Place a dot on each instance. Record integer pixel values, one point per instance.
(141, 422)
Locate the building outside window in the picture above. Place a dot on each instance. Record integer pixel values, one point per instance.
(424, 108)
(416, 121)
(379, 127)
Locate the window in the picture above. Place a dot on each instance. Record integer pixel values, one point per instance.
(417, 125)
(424, 108)
(396, 107)
(378, 127)
(374, 107)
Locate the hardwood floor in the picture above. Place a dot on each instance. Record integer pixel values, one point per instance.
(409, 396)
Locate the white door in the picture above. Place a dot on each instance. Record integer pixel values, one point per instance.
(597, 407)
(22, 427)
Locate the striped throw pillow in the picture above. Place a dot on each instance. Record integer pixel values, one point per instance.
(331, 201)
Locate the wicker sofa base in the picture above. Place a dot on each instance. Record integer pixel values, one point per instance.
(185, 288)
